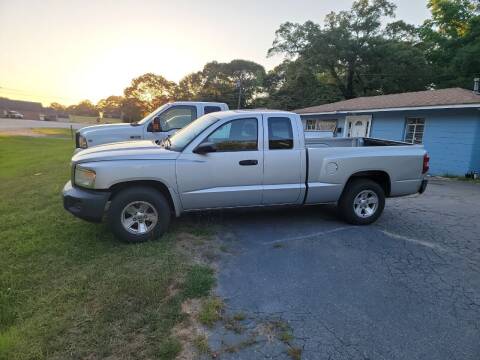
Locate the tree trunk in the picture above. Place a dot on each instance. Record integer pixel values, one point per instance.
(349, 92)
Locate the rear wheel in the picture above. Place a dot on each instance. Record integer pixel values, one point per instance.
(139, 214)
(362, 202)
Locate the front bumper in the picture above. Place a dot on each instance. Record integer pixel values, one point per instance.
(423, 187)
(86, 204)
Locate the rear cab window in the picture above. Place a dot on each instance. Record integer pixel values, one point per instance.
(280, 133)
(210, 109)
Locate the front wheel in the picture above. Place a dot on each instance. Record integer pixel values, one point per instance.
(139, 214)
(362, 202)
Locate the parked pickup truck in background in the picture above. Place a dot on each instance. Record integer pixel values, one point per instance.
(12, 114)
(161, 123)
(238, 159)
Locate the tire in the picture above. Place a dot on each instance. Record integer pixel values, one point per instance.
(138, 214)
(362, 202)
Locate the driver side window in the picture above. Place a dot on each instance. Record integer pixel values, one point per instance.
(236, 135)
(177, 117)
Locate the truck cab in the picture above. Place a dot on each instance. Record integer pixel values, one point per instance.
(159, 124)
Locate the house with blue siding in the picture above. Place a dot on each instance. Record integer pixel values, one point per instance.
(446, 122)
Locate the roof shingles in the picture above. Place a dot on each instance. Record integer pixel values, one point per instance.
(443, 97)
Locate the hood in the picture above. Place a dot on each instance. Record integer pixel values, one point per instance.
(111, 133)
(105, 128)
(129, 150)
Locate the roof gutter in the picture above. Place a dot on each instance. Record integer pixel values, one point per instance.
(438, 107)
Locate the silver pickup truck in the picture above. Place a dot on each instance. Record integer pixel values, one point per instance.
(238, 159)
(163, 122)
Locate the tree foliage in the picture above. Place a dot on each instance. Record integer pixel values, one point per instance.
(84, 107)
(360, 52)
(223, 81)
(356, 52)
(57, 107)
(149, 91)
(111, 106)
(452, 41)
(293, 84)
(132, 110)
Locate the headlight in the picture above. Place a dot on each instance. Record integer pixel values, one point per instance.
(82, 142)
(84, 177)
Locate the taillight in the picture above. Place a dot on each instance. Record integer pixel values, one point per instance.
(426, 163)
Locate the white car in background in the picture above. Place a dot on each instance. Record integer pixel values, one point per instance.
(163, 122)
(12, 114)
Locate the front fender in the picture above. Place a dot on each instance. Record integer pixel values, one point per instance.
(112, 173)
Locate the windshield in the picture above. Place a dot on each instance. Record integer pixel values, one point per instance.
(182, 138)
(151, 115)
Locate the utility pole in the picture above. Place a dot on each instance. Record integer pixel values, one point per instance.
(239, 86)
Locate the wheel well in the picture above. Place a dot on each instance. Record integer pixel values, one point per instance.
(380, 177)
(157, 185)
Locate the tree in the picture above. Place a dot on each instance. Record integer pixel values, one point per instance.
(248, 77)
(349, 50)
(150, 91)
(452, 18)
(84, 108)
(216, 85)
(111, 106)
(58, 107)
(221, 82)
(293, 84)
(190, 87)
(452, 41)
(132, 110)
(402, 68)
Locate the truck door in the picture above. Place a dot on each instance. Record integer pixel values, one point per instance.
(282, 178)
(231, 176)
(170, 120)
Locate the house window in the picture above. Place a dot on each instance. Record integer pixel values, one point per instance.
(414, 129)
(320, 125)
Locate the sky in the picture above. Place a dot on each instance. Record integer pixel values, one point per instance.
(67, 51)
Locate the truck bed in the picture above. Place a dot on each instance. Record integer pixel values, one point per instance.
(351, 142)
(332, 161)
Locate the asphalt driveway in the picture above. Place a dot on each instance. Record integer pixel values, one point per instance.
(299, 281)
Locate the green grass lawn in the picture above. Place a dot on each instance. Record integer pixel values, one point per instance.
(68, 289)
(54, 132)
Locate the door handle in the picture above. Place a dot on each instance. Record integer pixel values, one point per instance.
(135, 137)
(248, 162)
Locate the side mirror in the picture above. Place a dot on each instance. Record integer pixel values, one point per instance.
(155, 125)
(205, 148)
